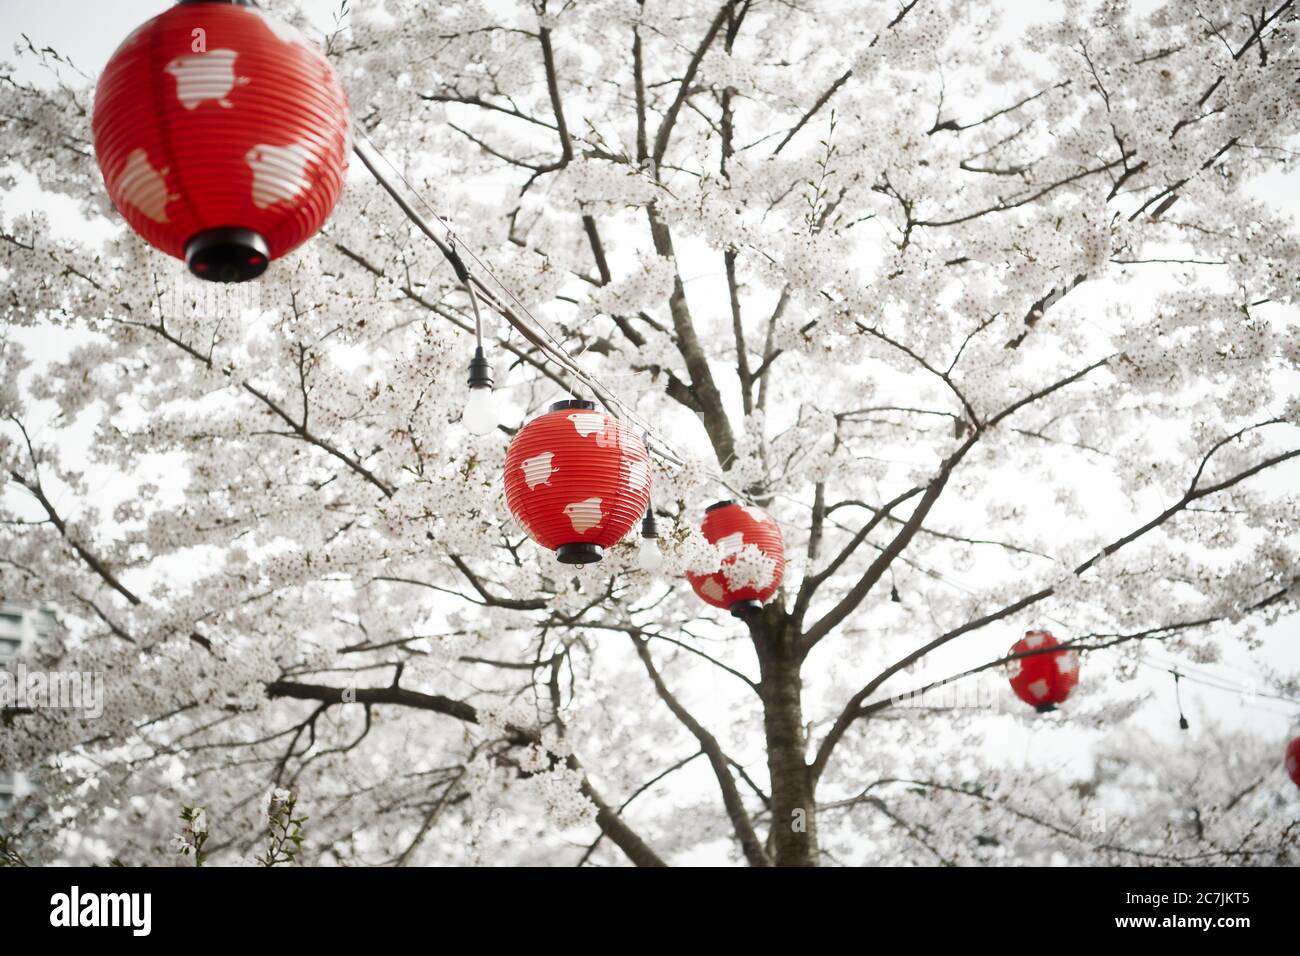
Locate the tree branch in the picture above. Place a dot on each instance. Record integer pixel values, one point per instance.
(1194, 493)
(684, 87)
(743, 826)
(610, 823)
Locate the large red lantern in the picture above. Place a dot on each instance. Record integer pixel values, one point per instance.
(1045, 677)
(577, 480)
(223, 136)
(1293, 760)
(753, 560)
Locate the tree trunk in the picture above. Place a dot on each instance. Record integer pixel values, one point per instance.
(794, 816)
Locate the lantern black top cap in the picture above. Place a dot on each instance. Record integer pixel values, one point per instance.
(719, 504)
(581, 404)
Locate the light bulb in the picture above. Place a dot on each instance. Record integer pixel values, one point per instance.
(648, 556)
(480, 415)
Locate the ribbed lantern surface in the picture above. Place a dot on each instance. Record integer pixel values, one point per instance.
(1042, 679)
(1293, 760)
(577, 480)
(223, 137)
(753, 562)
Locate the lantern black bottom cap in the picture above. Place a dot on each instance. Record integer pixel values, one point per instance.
(743, 609)
(579, 552)
(228, 254)
(1045, 708)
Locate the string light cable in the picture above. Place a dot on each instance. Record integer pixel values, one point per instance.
(541, 337)
(1184, 672)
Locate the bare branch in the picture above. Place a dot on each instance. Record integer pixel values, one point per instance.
(744, 827)
(610, 823)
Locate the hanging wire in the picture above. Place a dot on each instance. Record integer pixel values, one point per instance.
(451, 235)
(1211, 681)
(1188, 670)
(582, 352)
(447, 247)
(448, 251)
(478, 318)
(1178, 700)
(1225, 685)
(553, 348)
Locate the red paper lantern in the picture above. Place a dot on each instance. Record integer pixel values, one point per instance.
(1293, 760)
(753, 562)
(577, 480)
(1044, 678)
(222, 135)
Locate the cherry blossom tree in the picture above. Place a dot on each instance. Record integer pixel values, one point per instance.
(995, 318)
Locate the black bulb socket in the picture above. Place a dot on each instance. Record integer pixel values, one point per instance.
(480, 372)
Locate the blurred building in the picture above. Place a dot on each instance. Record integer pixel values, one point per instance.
(20, 628)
